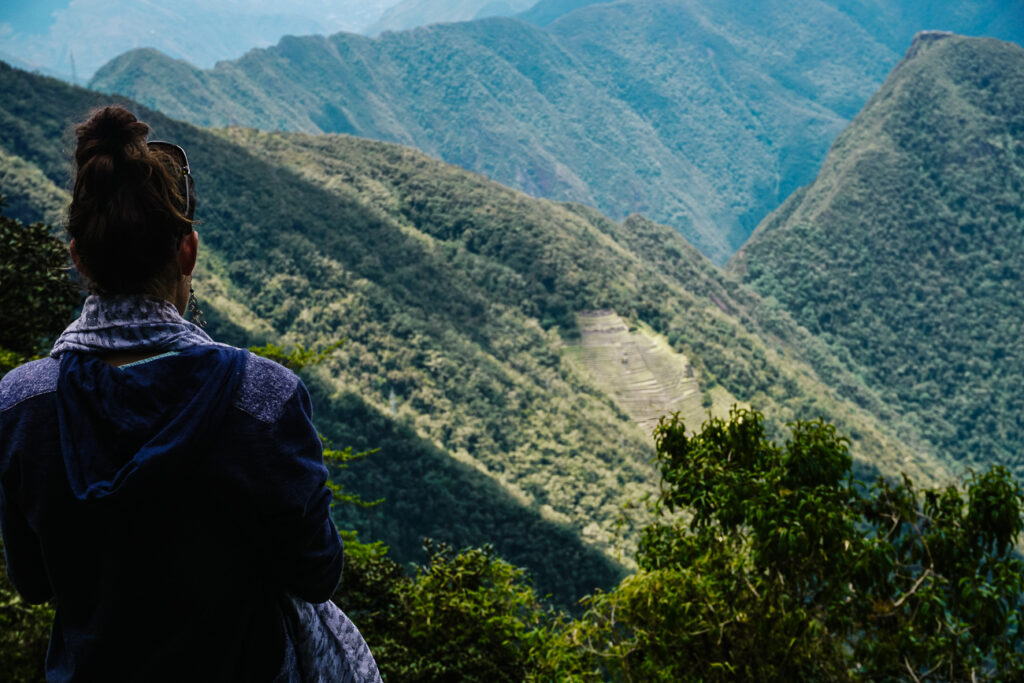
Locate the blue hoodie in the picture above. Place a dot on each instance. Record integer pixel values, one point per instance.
(167, 505)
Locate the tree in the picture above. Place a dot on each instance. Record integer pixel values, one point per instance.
(465, 616)
(24, 632)
(38, 299)
(773, 563)
(38, 295)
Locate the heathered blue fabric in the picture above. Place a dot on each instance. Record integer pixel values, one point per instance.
(167, 506)
(28, 380)
(262, 386)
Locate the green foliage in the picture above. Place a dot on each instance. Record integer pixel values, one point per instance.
(10, 360)
(337, 460)
(782, 567)
(38, 296)
(29, 195)
(38, 299)
(299, 357)
(466, 616)
(904, 254)
(476, 612)
(763, 562)
(24, 632)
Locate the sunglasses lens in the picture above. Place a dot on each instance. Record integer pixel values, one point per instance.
(176, 153)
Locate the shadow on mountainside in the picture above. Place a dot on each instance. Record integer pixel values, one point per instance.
(428, 494)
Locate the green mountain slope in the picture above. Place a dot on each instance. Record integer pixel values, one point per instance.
(704, 118)
(412, 13)
(905, 252)
(459, 301)
(891, 22)
(548, 262)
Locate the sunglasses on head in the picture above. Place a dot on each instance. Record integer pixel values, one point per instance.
(177, 154)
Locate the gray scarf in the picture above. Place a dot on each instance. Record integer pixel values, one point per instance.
(128, 323)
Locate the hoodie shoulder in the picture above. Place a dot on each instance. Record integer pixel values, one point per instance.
(29, 380)
(266, 387)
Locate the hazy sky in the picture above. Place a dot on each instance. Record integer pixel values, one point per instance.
(30, 16)
(45, 34)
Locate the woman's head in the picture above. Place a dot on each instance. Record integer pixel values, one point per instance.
(131, 207)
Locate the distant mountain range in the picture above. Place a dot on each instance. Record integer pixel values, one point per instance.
(409, 14)
(905, 253)
(459, 300)
(704, 116)
(889, 21)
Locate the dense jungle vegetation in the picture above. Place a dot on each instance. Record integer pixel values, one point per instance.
(701, 115)
(756, 562)
(783, 567)
(768, 549)
(904, 255)
(455, 297)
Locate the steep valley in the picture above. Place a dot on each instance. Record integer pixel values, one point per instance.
(905, 252)
(458, 300)
(703, 116)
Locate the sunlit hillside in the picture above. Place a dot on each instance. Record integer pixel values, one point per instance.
(704, 116)
(905, 252)
(458, 300)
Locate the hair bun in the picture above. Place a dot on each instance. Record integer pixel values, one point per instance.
(112, 130)
(126, 212)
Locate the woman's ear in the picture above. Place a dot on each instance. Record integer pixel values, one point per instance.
(76, 259)
(187, 253)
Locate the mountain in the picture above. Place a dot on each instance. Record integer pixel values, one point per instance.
(905, 251)
(704, 116)
(412, 13)
(888, 21)
(83, 35)
(546, 11)
(470, 357)
(62, 72)
(630, 107)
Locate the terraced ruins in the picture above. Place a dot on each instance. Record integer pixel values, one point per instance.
(644, 376)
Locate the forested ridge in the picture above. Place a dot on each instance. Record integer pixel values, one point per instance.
(703, 116)
(407, 14)
(905, 253)
(453, 299)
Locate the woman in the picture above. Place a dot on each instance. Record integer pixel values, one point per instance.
(168, 492)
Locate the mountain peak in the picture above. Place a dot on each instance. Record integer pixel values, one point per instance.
(922, 39)
(909, 238)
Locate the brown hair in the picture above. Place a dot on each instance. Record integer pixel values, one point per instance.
(126, 214)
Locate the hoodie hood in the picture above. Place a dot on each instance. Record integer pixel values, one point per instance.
(121, 427)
